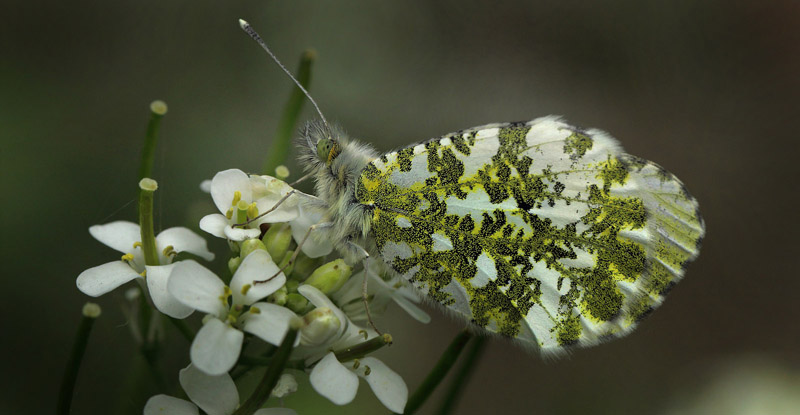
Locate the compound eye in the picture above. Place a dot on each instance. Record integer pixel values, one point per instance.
(323, 148)
(327, 150)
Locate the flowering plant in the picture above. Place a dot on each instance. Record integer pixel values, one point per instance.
(286, 304)
(283, 293)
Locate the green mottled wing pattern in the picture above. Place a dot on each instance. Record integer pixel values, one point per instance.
(538, 231)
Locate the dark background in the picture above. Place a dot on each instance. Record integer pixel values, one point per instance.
(707, 89)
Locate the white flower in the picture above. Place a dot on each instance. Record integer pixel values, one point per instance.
(338, 381)
(314, 246)
(217, 345)
(380, 293)
(240, 197)
(215, 395)
(125, 237)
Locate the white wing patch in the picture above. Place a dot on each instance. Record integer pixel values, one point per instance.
(538, 231)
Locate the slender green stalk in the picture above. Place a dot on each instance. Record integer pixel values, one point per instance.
(147, 189)
(270, 379)
(438, 372)
(90, 313)
(462, 376)
(157, 111)
(281, 144)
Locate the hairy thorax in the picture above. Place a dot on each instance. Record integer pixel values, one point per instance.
(345, 221)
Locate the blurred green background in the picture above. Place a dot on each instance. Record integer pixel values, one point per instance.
(710, 90)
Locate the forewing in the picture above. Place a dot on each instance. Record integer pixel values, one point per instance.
(538, 231)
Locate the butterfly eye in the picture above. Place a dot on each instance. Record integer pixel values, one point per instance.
(327, 150)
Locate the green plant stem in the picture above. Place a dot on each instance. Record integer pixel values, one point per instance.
(270, 379)
(74, 364)
(462, 376)
(281, 144)
(438, 372)
(147, 189)
(149, 148)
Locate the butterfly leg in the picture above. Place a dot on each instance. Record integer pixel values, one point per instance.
(364, 296)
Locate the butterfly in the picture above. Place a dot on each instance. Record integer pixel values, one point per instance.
(539, 231)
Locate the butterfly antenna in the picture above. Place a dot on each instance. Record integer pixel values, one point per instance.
(255, 36)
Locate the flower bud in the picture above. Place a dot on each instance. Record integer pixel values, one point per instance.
(304, 266)
(281, 172)
(278, 297)
(296, 302)
(321, 325)
(286, 385)
(91, 310)
(291, 286)
(277, 240)
(251, 245)
(233, 263)
(285, 265)
(330, 277)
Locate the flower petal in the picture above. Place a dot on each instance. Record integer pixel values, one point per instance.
(258, 266)
(270, 324)
(157, 279)
(101, 279)
(214, 224)
(387, 385)
(195, 286)
(334, 381)
(225, 184)
(216, 347)
(216, 395)
(312, 247)
(240, 234)
(184, 239)
(167, 405)
(120, 235)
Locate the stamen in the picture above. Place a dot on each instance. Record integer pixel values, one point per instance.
(246, 288)
(237, 196)
(137, 244)
(356, 363)
(226, 293)
(127, 258)
(367, 370)
(169, 251)
(229, 213)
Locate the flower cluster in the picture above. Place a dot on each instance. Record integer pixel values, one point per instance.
(280, 279)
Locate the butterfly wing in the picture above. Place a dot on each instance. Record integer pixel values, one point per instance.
(538, 231)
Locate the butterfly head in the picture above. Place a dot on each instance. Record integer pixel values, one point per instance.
(334, 159)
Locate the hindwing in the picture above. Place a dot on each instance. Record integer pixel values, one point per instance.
(538, 231)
